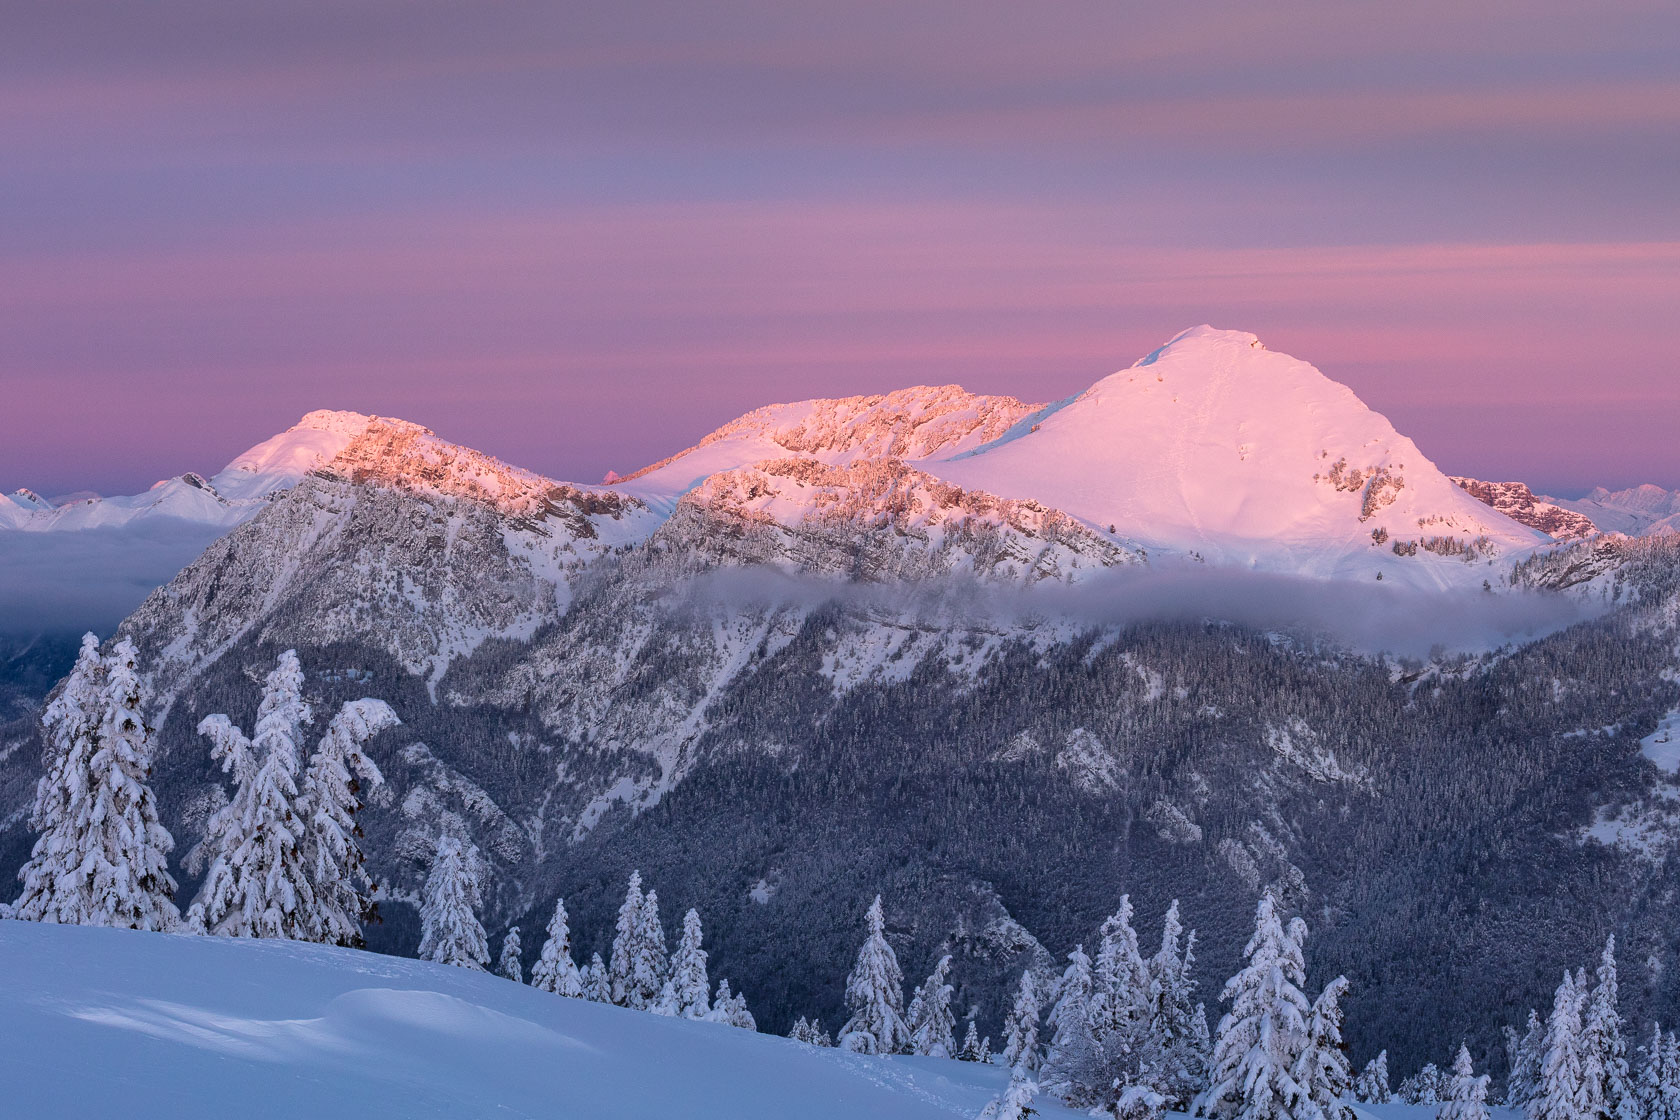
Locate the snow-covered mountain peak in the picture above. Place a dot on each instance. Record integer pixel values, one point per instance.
(28, 499)
(278, 462)
(1218, 449)
(921, 422)
(405, 456)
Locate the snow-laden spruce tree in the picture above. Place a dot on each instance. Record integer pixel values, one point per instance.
(1466, 1096)
(1123, 1000)
(1562, 1093)
(508, 963)
(102, 855)
(635, 981)
(875, 993)
(1020, 1026)
(1016, 1101)
(1527, 1054)
(1260, 1039)
(1603, 1039)
(687, 991)
(1427, 1086)
(648, 960)
(1322, 1069)
(930, 1022)
(1671, 1075)
(71, 727)
(450, 932)
(597, 980)
(1371, 1086)
(1652, 1085)
(1179, 1053)
(555, 971)
(970, 1051)
(259, 882)
(730, 1009)
(339, 774)
(1073, 1065)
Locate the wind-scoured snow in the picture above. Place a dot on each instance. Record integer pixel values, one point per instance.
(100, 1022)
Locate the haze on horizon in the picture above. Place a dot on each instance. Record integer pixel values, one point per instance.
(580, 238)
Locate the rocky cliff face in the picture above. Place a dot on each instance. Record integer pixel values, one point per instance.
(1516, 501)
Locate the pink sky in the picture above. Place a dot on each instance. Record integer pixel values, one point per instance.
(579, 238)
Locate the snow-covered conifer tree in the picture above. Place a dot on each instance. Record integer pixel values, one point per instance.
(970, 1051)
(450, 932)
(1603, 1038)
(1201, 1041)
(626, 946)
(555, 971)
(1073, 1067)
(689, 986)
(1466, 1096)
(1671, 1075)
(71, 726)
(1021, 1026)
(647, 961)
(1173, 1045)
(1322, 1070)
(1562, 1093)
(102, 855)
(1427, 1086)
(1262, 1036)
(875, 993)
(1371, 1086)
(730, 1009)
(597, 981)
(1122, 997)
(339, 773)
(1138, 1100)
(259, 883)
(930, 1023)
(801, 1030)
(1016, 1101)
(1522, 1083)
(1647, 1084)
(508, 963)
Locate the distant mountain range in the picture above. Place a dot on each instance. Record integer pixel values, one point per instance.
(1212, 449)
(1002, 661)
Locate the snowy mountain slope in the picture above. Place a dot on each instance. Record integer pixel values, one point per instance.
(1636, 511)
(424, 547)
(97, 1022)
(1217, 449)
(918, 423)
(1516, 501)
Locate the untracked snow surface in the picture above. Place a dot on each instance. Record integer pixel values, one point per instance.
(97, 1022)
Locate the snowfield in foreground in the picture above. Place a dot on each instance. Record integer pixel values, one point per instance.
(100, 1022)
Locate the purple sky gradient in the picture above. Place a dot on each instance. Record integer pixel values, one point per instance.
(581, 236)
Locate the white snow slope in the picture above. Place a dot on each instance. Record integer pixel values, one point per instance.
(1218, 449)
(98, 1022)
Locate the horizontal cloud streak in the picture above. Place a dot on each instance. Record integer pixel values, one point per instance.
(1370, 619)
